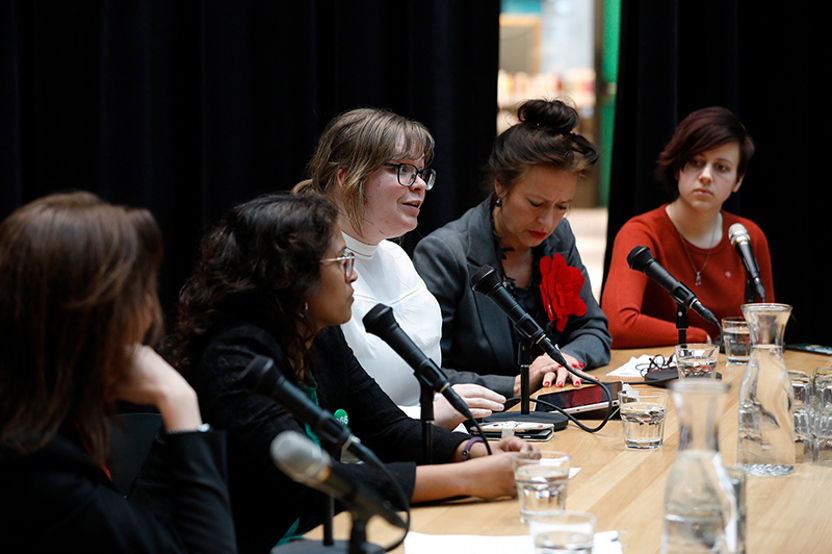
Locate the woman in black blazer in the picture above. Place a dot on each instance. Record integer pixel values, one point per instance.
(275, 280)
(77, 298)
(520, 230)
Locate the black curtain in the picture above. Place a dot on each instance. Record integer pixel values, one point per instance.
(188, 108)
(771, 68)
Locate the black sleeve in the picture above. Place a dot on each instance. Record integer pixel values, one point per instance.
(200, 501)
(374, 417)
(58, 500)
(267, 504)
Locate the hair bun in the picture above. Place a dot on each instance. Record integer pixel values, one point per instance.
(551, 114)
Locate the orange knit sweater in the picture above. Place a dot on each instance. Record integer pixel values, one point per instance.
(641, 313)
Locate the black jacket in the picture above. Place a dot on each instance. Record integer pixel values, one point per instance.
(267, 504)
(59, 500)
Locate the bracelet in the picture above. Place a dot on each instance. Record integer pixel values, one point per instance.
(466, 450)
(204, 428)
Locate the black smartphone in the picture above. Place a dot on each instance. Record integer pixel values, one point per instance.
(583, 401)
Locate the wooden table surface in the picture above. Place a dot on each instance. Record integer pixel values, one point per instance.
(625, 488)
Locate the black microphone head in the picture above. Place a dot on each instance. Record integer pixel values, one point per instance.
(258, 374)
(485, 280)
(639, 257)
(379, 320)
(298, 457)
(737, 232)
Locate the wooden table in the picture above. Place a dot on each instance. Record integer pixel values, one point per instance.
(625, 488)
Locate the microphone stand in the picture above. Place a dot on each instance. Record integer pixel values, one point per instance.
(357, 543)
(329, 514)
(682, 322)
(426, 394)
(526, 415)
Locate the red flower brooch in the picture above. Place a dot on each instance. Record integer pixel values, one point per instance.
(561, 289)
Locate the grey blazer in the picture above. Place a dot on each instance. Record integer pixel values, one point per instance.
(477, 336)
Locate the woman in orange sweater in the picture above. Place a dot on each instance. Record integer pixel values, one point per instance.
(704, 163)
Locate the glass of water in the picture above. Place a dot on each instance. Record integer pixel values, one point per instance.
(802, 386)
(696, 360)
(737, 340)
(542, 479)
(563, 532)
(642, 414)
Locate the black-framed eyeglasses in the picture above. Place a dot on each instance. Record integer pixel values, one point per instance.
(347, 261)
(657, 363)
(406, 174)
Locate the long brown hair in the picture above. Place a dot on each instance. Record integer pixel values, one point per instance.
(77, 286)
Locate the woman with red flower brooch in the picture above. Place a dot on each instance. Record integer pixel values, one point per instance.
(520, 230)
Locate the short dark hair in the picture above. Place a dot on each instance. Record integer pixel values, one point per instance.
(699, 132)
(260, 264)
(543, 136)
(77, 282)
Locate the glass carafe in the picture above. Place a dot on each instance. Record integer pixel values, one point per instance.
(700, 509)
(765, 445)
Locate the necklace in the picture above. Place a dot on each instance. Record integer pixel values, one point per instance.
(699, 271)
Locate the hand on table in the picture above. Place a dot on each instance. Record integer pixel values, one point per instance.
(494, 475)
(480, 400)
(545, 372)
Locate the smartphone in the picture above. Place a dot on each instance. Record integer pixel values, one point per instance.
(582, 401)
(525, 430)
(815, 348)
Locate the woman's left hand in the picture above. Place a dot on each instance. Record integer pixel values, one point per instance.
(545, 372)
(504, 446)
(512, 444)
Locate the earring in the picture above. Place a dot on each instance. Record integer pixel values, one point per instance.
(498, 202)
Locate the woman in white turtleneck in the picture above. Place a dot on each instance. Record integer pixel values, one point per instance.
(372, 163)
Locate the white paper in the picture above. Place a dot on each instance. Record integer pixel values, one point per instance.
(420, 543)
(629, 369)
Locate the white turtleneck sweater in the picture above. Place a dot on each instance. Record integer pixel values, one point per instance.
(386, 274)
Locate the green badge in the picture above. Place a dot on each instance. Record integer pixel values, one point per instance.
(342, 416)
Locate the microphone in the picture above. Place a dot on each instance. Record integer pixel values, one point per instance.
(304, 462)
(487, 282)
(741, 241)
(262, 377)
(381, 322)
(641, 259)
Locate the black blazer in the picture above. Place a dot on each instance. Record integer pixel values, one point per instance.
(476, 334)
(267, 504)
(59, 500)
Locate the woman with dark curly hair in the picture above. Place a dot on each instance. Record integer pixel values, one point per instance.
(703, 165)
(275, 279)
(77, 301)
(520, 230)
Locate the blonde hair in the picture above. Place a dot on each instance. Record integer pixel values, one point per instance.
(361, 141)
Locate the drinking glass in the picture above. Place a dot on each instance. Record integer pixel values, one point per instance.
(542, 479)
(821, 416)
(563, 532)
(802, 386)
(737, 340)
(643, 413)
(696, 360)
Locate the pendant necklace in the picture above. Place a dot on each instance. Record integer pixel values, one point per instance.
(699, 271)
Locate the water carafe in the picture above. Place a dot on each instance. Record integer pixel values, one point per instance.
(765, 445)
(700, 508)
